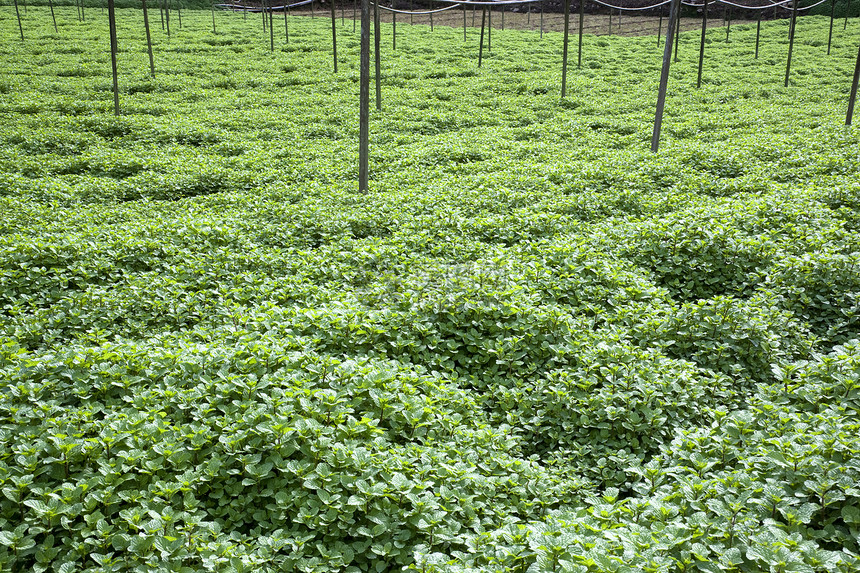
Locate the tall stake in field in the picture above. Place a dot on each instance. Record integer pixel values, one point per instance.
(853, 97)
(431, 15)
(148, 39)
(541, 19)
(364, 97)
(393, 29)
(272, 28)
(333, 36)
(564, 50)
(113, 50)
(702, 43)
(659, 28)
(830, 34)
(213, 17)
(757, 33)
(728, 24)
(791, 30)
(167, 16)
(53, 17)
(664, 75)
(286, 23)
(464, 22)
(160, 11)
(354, 2)
(18, 14)
(847, 12)
(481, 45)
(376, 54)
(581, 28)
(179, 14)
(677, 32)
(83, 16)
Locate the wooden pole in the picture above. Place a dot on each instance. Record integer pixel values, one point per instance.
(702, 44)
(378, 57)
(489, 29)
(847, 12)
(287, 23)
(541, 19)
(464, 22)
(53, 17)
(364, 97)
(503, 17)
(431, 15)
(20, 26)
(659, 28)
(664, 75)
(148, 39)
(481, 45)
(393, 30)
(581, 28)
(333, 36)
(113, 51)
(830, 34)
(354, 4)
(564, 50)
(83, 16)
(213, 16)
(160, 11)
(166, 16)
(728, 24)
(757, 33)
(853, 97)
(271, 27)
(677, 32)
(791, 30)
(179, 14)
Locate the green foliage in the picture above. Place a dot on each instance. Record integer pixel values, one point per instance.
(533, 346)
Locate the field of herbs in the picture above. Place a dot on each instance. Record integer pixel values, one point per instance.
(533, 346)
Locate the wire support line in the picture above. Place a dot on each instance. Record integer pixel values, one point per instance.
(416, 12)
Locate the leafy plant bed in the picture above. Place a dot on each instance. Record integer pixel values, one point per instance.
(533, 346)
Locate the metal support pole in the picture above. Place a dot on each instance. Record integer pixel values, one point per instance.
(481, 45)
(847, 12)
(20, 26)
(148, 39)
(179, 14)
(333, 36)
(113, 51)
(376, 54)
(659, 29)
(757, 33)
(431, 15)
(271, 28)
(166, 16)
(677, 32)
(564, 51)
(791, 40)
(728, 24)
(853, 97)
(364, 97)
(541, 19)
(664, 76)
(581, 28)
(287, 24)
(702, 44)
(464, 22)
(830, 34)
(503, 17)
(53, 17)
(213, 16)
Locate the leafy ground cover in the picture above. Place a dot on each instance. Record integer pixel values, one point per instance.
(534, 346)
